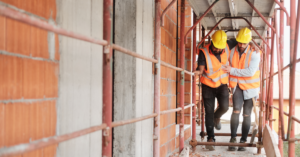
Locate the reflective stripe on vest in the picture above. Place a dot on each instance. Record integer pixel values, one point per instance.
(210, 63)
(216, 79)
(245, 83)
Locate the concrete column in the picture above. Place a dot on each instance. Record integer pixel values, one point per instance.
(133, 78)
(80, 79)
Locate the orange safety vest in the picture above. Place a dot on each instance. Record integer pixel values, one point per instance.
(243, 63)
(214, 76)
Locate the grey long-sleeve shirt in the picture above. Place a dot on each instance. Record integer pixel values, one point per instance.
(248, 72)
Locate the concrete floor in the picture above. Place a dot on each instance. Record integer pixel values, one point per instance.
(221, 151)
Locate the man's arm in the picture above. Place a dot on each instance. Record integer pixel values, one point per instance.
(201, 63)
(248, 72)
(200, 70)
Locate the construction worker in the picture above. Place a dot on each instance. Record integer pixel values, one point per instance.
(214, 80)
(244, 81)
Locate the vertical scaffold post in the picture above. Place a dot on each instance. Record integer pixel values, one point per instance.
(293, 56)
(270, 86)
(194, 81)
(261, 102)
(182, 51)
(280, 78)
(201, 103)
(107, 78)
(157, 43)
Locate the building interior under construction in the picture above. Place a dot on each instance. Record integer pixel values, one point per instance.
(115, 77)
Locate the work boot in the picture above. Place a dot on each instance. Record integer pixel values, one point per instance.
(232, 148)
(210, 147)
(242, 148)
(217, 122)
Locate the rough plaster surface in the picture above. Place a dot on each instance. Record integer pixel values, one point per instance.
(133, 78)
(80, 83)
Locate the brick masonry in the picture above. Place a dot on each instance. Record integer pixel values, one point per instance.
(29, 78)
(169, 54)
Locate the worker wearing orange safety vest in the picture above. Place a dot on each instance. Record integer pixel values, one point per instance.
(214, 80)
(245, 82)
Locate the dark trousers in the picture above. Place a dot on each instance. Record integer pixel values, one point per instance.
(238, 103)
(209, 94)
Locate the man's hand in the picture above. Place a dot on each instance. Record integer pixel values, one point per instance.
(227, 68)
(253, 47)
(197, 72)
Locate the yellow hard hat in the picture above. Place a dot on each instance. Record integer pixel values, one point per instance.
(219, 39)
(244, 36)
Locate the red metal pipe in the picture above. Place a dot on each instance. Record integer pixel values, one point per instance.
(280, 82)
(261, 102)
(107, 79)
(284, 68)
(35, 145)
(22, 17)
(132, 53)
(188, 106)
(195, 24)
(165, 11)
(270, 80)
(157, 44)
(175, 68)
(262, 17)
(170, 111)
(233, 18)
(226, 144)
(181, 87)
(229, 134)
(294, 34)
(283, 9)
(270, 86)
(285, 113)
(201, 102)
(129, 121)
(258, 46)
(194, 81)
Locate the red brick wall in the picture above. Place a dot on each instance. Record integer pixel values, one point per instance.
(168, 140)
(168, 79)
(29, 79)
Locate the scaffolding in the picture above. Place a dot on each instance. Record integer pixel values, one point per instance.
(266, 104)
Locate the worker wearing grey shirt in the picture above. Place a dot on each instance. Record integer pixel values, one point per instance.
(244, 79)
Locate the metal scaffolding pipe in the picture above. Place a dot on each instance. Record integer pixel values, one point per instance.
(157, 53)
(181, 86)
(188, 106)
(258, 46)
(270, 86)
(22, 17)
(198, 21)
(229, 134)
(284, 68)
(124, 122)
(194, 65)
(293, 55)
(107, 79)
(165, 11)
(226, 144)
(280, 82)
(283, 9)
(216, 25)
(132, 53)
(170, 111)
(45, 142)
(262, 17)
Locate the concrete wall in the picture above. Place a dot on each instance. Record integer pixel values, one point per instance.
(133, 78)
(80, 82)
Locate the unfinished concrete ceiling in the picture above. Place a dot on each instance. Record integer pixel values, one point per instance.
(234, 8)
